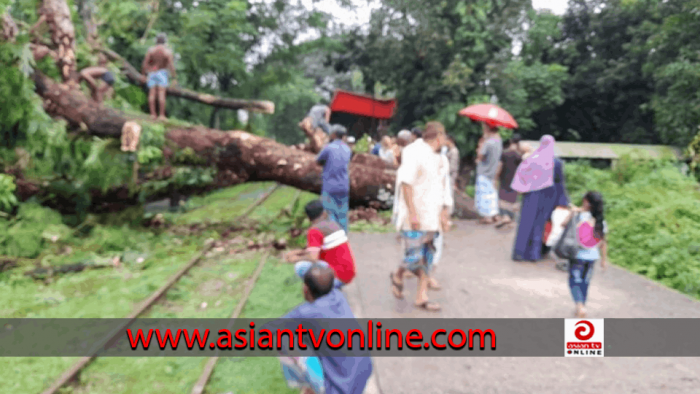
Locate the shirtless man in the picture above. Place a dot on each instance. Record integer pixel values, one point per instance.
(92, 75)
(158, 65)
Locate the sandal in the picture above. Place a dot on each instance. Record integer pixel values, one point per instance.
(396, 288)
(429, 306)
(503, 223)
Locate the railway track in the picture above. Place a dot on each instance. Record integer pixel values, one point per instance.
(71, 373)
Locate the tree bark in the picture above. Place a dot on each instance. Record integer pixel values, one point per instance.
(56, 14)
(8, 28)
(137, 78)
(87, 12)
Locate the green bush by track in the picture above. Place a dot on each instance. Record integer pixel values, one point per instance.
(653, 213)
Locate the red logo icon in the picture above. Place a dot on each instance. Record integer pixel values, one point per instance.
(579, 332)
(584, 338)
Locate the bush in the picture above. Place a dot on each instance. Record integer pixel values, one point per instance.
(27, 235)
(653, 212)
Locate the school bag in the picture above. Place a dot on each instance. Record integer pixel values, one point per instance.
(568, 245)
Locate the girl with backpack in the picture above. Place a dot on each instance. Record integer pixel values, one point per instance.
(591, 231)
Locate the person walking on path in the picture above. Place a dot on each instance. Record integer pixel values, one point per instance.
(323, 374)
(488, 157)
(422, 204)
(335, 191)
(591, 233)
(540, 178)
(92, 75)
(510, 160)
(325, 241)
(158, 66)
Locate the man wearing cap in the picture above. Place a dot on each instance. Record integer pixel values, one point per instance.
(92, 75)
(321, 374)
(158, 66)
(335, 191)
(326, 241)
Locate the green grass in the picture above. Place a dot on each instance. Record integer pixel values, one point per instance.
(218, 281)
(111, 293)
(106, 293)
(278, 290)
(221, 206)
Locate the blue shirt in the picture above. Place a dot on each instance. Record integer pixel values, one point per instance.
(342, 375)
(335, 159)
(377, 147)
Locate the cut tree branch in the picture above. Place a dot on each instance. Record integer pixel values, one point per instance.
(137, 78)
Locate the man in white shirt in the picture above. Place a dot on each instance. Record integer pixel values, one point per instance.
(422, 206)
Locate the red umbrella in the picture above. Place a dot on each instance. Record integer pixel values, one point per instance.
(491, 114)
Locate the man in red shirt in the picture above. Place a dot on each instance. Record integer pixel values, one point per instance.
(327, 242)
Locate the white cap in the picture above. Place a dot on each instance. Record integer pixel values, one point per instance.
(404, 135)
(351, 139)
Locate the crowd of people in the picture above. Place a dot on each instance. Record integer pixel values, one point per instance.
(514, 185)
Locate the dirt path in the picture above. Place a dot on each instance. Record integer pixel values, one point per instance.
(480, 281)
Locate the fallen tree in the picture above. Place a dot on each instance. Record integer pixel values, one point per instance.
(235, 156)
(238, 156)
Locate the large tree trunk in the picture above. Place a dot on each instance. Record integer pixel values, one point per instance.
(57, 16)
(137, 78)
(237, 155)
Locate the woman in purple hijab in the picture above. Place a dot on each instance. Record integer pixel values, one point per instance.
(540, 178)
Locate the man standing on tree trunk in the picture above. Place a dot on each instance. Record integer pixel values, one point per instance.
(158, 65)
(335, 191)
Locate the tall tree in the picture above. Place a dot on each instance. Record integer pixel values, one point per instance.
(607, 95)
(433, 53)
(674, 65)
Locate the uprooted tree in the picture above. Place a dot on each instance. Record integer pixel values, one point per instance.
(229, 157)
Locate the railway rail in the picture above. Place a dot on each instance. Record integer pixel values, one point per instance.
(71, 373)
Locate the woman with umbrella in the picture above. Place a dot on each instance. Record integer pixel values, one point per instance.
(540, 178)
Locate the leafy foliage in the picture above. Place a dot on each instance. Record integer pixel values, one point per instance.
(7, 192)
(28, 233)
(652, 212)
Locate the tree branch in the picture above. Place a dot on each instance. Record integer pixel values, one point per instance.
(137, 78)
